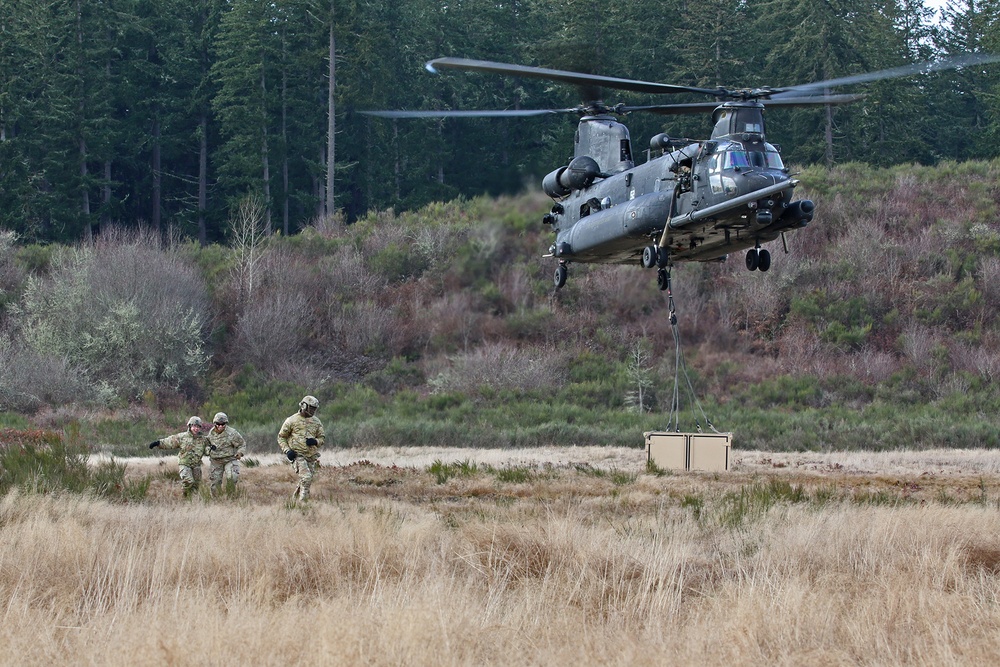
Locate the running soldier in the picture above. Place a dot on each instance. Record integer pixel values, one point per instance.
(300, 438)
(226, 448)
(193, 446)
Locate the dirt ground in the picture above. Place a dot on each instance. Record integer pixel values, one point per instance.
(942, 476)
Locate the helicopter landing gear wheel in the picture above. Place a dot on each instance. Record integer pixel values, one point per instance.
(763, 260)
(649, 256)
(559, 277)
(753, 259)
(663, 279)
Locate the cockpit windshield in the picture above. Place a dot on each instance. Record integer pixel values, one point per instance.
(737, 159)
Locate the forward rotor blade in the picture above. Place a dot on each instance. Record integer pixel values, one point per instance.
(575, 78)
(892, 73)
(486, 113)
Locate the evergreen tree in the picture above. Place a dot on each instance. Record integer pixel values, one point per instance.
(245, 72)
(963, 102)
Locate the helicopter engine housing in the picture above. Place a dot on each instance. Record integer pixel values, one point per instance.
(579, 174)
(798, 214)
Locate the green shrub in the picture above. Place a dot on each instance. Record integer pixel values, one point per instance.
(444, 471)
(43, 462)
(34, 258)
(514, 475)
(126, 314)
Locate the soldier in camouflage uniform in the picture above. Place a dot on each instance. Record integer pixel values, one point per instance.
(193, 446)
(300, 438)
(225, 449)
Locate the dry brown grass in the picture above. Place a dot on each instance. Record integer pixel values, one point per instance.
(575, 565)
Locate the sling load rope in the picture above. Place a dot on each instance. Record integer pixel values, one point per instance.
(680, 366)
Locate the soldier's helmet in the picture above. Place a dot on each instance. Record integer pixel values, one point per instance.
(220, 418)
(194, 421)
(308, 405)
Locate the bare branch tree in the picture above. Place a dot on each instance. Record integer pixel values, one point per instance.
(249, 232)
(640, 376)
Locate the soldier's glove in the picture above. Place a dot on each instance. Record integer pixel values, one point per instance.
(312, 442)
(154, 444)
(291, 454)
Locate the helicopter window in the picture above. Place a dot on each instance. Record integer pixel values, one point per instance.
(736, 160)
(760, 159)
(753, 127)
(625, 151)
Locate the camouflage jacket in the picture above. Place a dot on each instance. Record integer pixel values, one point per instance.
(193, 448)
(228, 445)
(294, 432)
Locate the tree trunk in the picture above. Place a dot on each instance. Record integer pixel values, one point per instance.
(106, 192)
(88, 233)
(331, 118)
(82, 110)
(202, 178)
(828, 133)
(264, 154)
(284, 153)
(157, 180)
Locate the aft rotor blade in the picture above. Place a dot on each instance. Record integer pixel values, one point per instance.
(575, 78)
(892, 73)
(703, 107)
(486, 113)
(673, 109)
(811, 101)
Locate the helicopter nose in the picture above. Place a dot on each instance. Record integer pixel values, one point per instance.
(761, 179)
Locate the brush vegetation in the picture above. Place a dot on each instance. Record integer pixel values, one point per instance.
(440, 327)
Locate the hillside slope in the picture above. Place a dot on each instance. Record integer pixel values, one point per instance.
(440, 327)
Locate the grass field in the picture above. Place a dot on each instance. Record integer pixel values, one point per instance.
(530, 557)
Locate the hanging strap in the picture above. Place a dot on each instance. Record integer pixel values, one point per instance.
(679, 368)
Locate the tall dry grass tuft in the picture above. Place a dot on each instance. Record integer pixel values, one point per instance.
(562, 572)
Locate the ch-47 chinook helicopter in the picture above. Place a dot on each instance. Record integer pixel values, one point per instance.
(696, 201)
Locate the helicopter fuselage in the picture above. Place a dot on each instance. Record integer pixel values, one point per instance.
(697, 202)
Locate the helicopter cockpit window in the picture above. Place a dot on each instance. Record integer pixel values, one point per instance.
(774, 160)
(769, 159)
(753, 127)
(737, 160)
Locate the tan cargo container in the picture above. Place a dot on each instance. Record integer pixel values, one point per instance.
(667, 450)
(689, 451)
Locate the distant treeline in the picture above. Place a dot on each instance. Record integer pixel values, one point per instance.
(168, 113)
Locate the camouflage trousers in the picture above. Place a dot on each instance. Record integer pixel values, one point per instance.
(306, 470)
(190, 478)
(223, 468)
